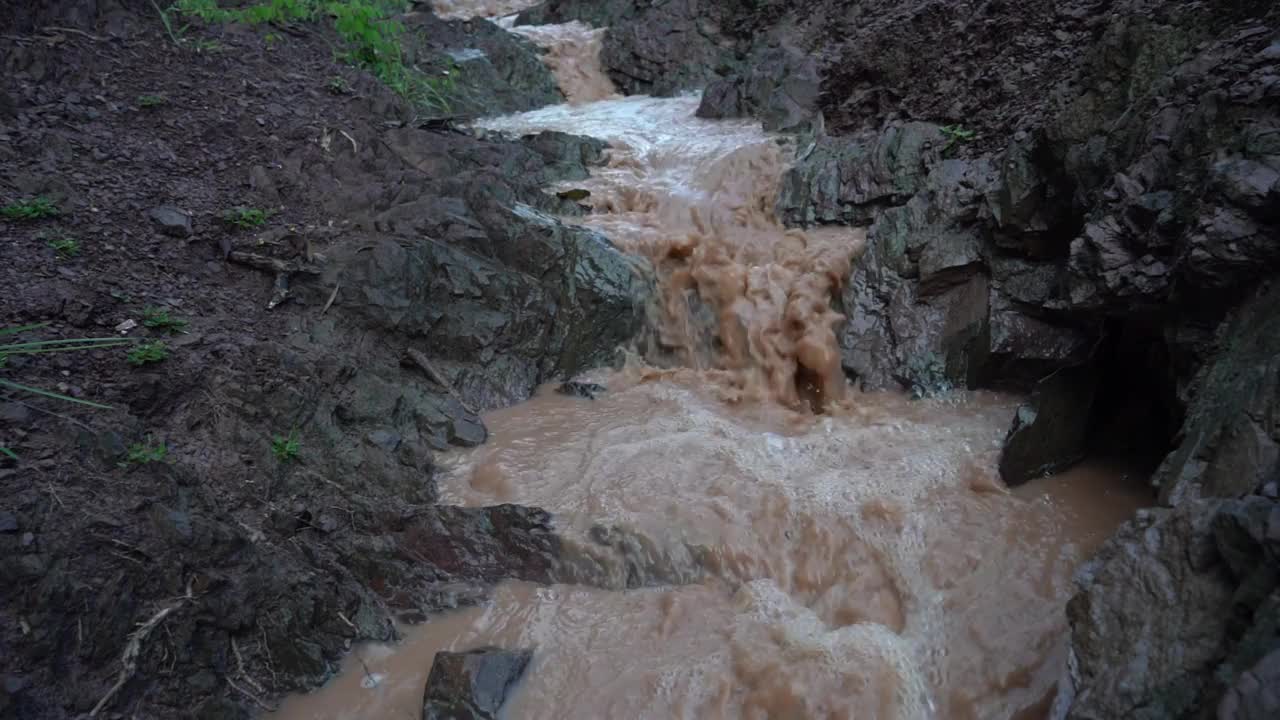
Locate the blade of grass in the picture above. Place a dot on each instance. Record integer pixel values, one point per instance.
(58, 349)
(49, 394)
(22, 328)
(70, 344)
(8, 453)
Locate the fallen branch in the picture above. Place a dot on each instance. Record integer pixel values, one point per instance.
(270, 264)
(419, 359)
(133, 649)
(54, 28)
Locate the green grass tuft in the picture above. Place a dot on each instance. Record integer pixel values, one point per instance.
(147, 353)
(956, 134)
(286, 448)
(34, 209)
(151, 101)
(143, 453)
(338, 85)
(246, 218)
(65, 247)
(160, 319)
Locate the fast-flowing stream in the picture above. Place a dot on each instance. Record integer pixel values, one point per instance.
(763, 541)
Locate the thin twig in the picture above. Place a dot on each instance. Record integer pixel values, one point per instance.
(373, 681)
(332, 296)
(263, 262)
(54, 28)
(271, 665)
(54, 494)
(424, 363)
(355, 149)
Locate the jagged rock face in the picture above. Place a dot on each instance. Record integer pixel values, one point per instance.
(1179, 614)
(935, 284)
(781, 86)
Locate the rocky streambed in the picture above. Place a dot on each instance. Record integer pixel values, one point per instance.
(1074, 201)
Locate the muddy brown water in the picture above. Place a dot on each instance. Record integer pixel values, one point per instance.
(748, 557)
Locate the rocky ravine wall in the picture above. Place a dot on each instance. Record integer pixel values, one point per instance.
(1108, 240)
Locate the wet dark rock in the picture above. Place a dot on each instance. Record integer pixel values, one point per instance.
(1230, 439)
(1050, 431)
(171, 221)
(487, 543)
(837, 178)
(472, 685)
(1126, 665)
(780, 86)
(622, 558)
(8, 522)
(586, 390)
(491, 71)
(1256, 693)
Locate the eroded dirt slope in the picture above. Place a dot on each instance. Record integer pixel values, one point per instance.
(287, 507)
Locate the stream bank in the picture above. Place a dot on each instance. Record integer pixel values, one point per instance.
(282, 504)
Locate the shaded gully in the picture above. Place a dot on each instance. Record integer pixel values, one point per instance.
(743, 534)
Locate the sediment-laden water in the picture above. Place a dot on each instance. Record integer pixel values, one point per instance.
(746, 535)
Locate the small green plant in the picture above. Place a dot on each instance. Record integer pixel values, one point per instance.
(434, 91)
(34, 209)
(338, 85)
(286, 448)
(160, 319)
(148, 352)
(246, 218)
(143, 453)
(151, 101)
(956, 134)
(65, 246)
